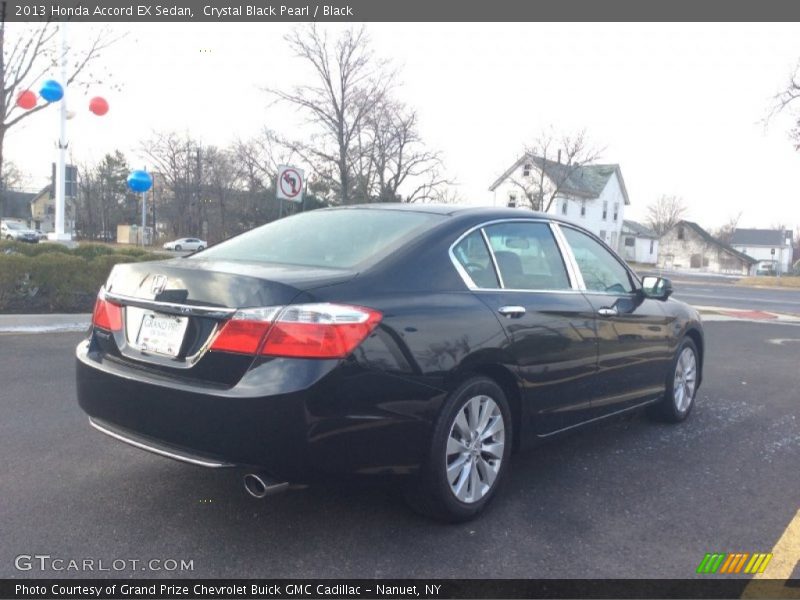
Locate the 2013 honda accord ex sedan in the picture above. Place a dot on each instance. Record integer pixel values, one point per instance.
(425, 341)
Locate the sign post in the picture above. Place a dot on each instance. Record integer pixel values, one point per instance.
(289, 185)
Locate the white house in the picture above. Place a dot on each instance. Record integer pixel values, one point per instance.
(593, 196)
(638, 243)
(772, 248)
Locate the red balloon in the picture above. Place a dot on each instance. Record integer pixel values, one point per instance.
(26, 99)
(98, 106)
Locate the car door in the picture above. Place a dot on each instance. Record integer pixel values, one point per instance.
(517, 269)
(632, 330)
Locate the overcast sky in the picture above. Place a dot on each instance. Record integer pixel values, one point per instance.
(679, 107)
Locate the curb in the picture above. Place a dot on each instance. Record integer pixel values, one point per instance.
(720, 313)
(44, 323)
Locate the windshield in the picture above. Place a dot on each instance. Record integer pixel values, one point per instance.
(14, 226)
(326, 238)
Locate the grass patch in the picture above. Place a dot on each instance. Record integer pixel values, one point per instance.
(784, 281)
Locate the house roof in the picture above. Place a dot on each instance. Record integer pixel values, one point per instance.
(17, 205)
(714, 241)
(585, 181)
(638, 229)
(758, 237)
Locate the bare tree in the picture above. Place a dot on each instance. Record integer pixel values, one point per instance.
(724, 233)
(399, 158)
(665, 213)
(25, 58)
(350, 83)
(179, 160)
(553, 159)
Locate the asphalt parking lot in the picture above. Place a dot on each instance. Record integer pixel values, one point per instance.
(628, 499)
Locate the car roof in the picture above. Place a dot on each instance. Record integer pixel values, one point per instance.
(460, 210)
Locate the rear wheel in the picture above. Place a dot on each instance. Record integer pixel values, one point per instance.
(469, 453)
(678, 400)
(201, 248)
(178, 248)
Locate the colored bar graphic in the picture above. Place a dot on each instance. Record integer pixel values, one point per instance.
(733, 563)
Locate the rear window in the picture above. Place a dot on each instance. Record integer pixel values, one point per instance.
(326, 238)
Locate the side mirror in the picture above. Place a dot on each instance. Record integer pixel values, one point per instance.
(659, 288)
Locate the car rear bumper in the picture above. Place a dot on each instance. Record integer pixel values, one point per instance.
(296, 420)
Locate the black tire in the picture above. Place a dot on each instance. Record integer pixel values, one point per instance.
(667, 408)
(431, 493)
(178, 248)
(201, 248)
(9, 238)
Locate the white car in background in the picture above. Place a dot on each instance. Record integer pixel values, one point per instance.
(186, 244)
(13, 231)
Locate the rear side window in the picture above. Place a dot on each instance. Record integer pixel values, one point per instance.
(527, 256)
(326, 238)
(472, 254)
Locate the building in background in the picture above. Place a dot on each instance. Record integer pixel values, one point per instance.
(772, 248)
(689, 247)
(592, 196)
(638, 243)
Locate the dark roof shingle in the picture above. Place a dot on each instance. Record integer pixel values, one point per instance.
(757, 237)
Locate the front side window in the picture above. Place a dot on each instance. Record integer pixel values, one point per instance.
(601, 271)
(527, 256)
(473, 256)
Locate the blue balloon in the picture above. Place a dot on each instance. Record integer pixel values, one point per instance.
(140, 181)
(51, 91)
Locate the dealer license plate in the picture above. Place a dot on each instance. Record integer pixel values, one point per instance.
(161, 334)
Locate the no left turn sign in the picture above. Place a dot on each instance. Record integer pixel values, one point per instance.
(290, 184)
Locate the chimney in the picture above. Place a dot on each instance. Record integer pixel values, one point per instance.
(559, 156)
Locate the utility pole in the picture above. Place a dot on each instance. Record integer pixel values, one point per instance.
(60, 183)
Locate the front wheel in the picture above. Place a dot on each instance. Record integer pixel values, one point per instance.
(678, 400)
(178, 248)
(201, 248)
(469, 453)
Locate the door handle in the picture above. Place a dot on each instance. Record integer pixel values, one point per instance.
(608, 312)
(512, 312)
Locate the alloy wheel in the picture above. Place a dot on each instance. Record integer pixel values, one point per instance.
(683, 387)
(475, 449)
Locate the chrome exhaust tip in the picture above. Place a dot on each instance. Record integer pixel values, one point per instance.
(260, 486)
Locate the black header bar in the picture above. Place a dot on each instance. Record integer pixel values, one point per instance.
(401, 10)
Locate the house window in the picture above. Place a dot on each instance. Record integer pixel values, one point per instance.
(564, 207)
(652, 245)
(630, 242)
(512, 200)
(681, 234)
(526, 170)
(583, 208)
(605, 210)
(616, 211)
(603, 234)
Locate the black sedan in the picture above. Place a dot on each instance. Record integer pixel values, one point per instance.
(424, 341)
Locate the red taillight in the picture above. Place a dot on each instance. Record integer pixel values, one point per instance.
(107, 315)
(301, 331)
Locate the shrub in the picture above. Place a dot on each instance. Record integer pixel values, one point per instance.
(90, 251)
(13, 277)
(62, 281)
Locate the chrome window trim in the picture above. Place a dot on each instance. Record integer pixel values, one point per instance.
(171, 308)
(493, 257)
(575, 275)
(573, 278)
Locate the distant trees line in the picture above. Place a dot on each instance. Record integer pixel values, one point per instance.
(360, 144)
